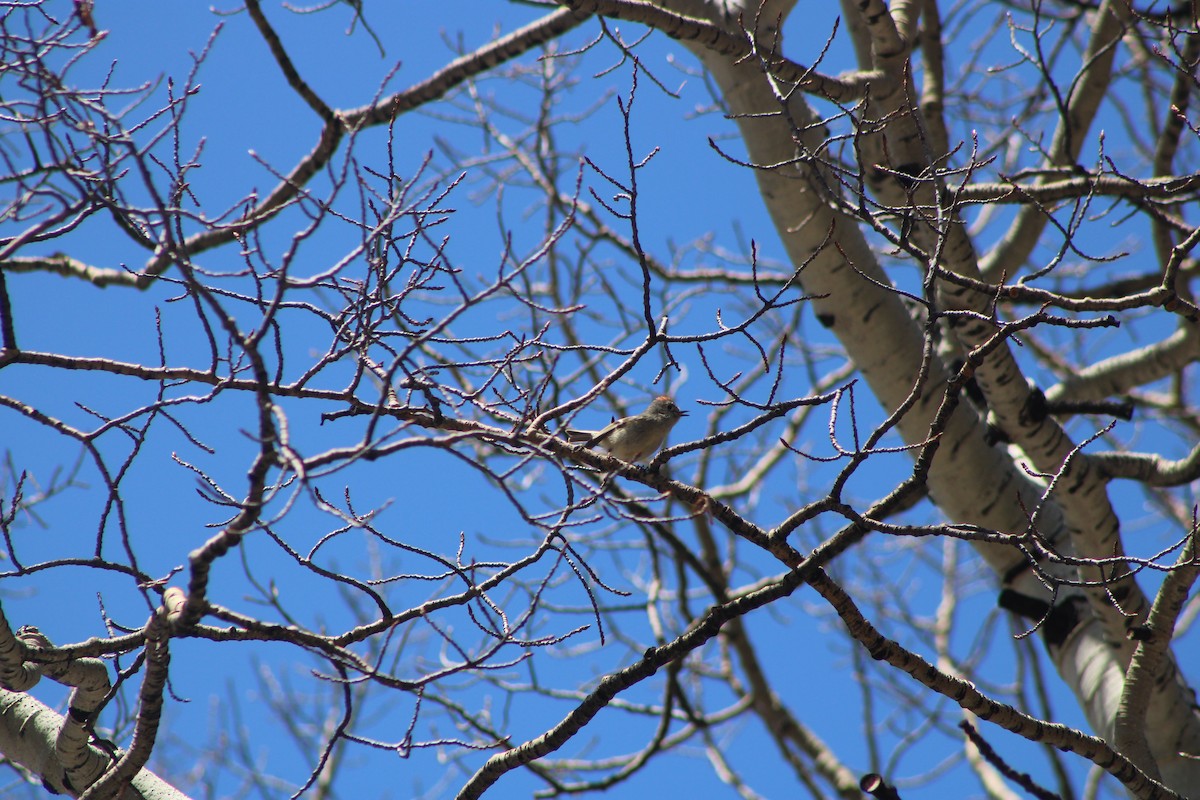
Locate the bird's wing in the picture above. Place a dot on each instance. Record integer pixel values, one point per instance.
(600, 435)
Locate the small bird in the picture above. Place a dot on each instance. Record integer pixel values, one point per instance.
(634, 438)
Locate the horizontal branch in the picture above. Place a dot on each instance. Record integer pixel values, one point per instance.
(1010, 190)
(1150, 468)
(62, 264)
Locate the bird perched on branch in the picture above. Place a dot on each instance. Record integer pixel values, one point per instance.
(637, 437)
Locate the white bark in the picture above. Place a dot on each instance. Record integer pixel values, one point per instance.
(970, 480)
(28, 735)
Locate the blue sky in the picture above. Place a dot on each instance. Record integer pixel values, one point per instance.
(243, 117)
